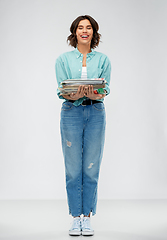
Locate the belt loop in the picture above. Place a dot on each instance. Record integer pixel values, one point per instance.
(91, 101)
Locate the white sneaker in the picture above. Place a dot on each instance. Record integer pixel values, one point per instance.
(75, 229)
(86, 227)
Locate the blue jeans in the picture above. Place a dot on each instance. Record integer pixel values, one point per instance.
(82, 135)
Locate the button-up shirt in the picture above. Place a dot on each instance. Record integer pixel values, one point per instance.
(69, 66)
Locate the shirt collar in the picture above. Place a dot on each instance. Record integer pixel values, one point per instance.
(78, 54)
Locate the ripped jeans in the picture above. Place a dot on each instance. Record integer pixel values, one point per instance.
(82, 135)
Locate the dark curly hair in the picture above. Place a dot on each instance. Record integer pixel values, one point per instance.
(72, 38)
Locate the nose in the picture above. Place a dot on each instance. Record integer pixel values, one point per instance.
(84, 30)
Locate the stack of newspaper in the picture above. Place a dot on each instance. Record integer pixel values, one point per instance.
(71, 85)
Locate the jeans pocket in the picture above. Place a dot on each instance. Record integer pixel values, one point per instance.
(67, 106)
(99, 106)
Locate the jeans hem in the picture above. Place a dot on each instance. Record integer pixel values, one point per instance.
(85, 214)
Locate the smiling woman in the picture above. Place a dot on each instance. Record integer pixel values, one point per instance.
(84, 32)
(90, 25)
(83, 121)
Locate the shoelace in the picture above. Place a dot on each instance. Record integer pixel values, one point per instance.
(86, 223)
(76, 223)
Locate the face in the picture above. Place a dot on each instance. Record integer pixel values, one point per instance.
(84, 32)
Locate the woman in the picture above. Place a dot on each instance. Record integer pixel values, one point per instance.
(83, 121)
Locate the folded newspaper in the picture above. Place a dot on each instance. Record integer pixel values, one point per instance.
(71, 85)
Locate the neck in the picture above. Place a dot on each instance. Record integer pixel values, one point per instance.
(84, 49)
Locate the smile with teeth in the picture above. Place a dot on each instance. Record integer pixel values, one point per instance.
(84, 36)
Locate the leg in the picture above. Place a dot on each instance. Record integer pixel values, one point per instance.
(87, 216)
(94, 134)
(71, 134)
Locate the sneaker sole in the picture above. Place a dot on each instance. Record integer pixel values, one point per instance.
(87, 233)
(73, 233)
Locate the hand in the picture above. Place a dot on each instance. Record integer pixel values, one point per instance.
(77, 95)
(89, 92)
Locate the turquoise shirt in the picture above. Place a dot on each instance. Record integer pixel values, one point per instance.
(69, 66)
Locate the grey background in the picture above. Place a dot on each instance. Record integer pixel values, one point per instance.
(134, 36)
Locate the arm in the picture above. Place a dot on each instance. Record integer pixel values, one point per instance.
(61, 75)
(106, 73)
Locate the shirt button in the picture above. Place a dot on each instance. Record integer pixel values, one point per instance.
(79, 69)
(80, 61)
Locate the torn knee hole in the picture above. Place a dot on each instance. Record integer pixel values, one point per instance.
(69, 144)
(90, 166)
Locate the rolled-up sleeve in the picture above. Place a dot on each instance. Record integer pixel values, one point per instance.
(106, 74)
(61, 74)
